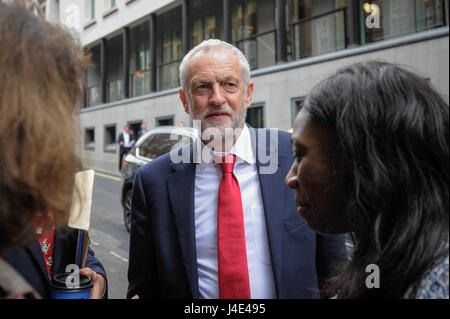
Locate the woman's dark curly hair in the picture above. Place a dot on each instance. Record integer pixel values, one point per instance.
(392, 131)
(40, 67)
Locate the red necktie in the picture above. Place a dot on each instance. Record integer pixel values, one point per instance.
(232, 255)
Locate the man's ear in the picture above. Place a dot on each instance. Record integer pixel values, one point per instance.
(248, 98)
(184, 100)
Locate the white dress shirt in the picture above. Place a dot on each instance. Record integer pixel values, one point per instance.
(126, 140)
(207, 179)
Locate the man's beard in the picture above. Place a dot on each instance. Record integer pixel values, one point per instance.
(235, 121)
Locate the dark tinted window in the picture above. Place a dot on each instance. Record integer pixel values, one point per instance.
(160, 144)
(255, 116)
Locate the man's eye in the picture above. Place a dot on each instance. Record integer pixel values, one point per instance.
(201, 88)
(230, 86)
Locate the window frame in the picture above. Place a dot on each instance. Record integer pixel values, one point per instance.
(162, 118)
(108, 148)
(294, 101)
(261, 105)
(86, 145)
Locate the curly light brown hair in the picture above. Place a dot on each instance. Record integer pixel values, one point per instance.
(40, 68)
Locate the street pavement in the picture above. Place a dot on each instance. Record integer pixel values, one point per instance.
(109, 239)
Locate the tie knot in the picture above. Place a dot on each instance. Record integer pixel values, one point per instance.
(227, 164)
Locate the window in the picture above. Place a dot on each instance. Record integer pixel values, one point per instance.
(255, 116)
(89, 10)
(140, 72)
(253, 30)
(206, 20)
(109, 4)
(110, 138)
(114, 66)
(171, 48)
(400, 17)
(164, 121)
(160, 144)
(89, 138)
(93, 78)
(315, 27)
(296, 106)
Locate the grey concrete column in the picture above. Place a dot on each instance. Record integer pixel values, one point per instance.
(281, 32)
(103, 69)
(126, 61)
(186, 26)
(227, 20)
(153, 66)
(354, 29)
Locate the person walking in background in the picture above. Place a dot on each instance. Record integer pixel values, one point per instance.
(220, 227)
(142, 131)
(125, 141)
(40, 68)
(371, 147)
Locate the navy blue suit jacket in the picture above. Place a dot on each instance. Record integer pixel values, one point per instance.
(163, 262)
(30, 263)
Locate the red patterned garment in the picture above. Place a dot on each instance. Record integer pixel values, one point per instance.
(46, 232)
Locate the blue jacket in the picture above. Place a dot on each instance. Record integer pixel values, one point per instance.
(163, 262)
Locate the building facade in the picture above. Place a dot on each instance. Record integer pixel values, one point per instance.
(136, 47)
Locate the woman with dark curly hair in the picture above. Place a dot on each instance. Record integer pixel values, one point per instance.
(371, 148)
(40, 68)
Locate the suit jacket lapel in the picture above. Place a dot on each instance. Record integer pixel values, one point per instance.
(181, 196)
(272, 194)
(35, 250)
(58, 251)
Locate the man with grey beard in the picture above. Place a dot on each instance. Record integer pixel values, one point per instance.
(218, 224)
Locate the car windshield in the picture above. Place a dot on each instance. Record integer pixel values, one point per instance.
(161, 143)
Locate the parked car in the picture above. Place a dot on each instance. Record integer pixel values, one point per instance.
(151, 145)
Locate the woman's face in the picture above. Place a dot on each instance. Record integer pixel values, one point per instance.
(315, 179)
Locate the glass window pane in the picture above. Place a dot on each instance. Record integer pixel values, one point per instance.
(320, 35)
(253, 30)
(167, 43)
(89, 138)
(197, 32)
(110, 139)
(401, 17)
(266, 51)
(177, 45)
(206, 18)
(171, 48)
(157, 145)
(236, 20)
(92, 9)
(93, 78)
(248, 47)
(250, 18)
(165, 122)
(255, 117)
(210, 27)
(114, 65)
(140, 73)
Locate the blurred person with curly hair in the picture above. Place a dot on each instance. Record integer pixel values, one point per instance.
(40, 68)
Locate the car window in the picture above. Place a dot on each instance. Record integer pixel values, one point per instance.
(160, 144)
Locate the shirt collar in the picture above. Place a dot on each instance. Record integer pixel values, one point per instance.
(242, 148)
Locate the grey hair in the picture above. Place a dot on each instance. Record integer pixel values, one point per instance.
(205, 46)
